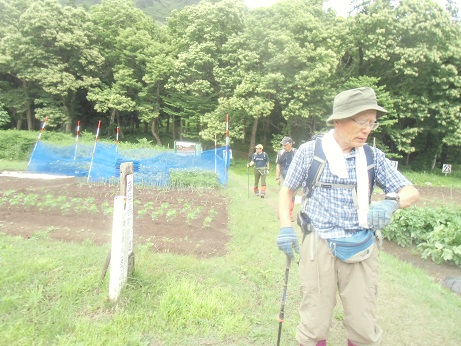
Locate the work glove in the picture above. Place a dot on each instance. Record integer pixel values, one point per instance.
(380, 213)
(287, 241)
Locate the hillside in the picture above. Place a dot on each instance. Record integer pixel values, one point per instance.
(158, 9)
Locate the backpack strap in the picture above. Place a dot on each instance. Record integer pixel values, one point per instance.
(318, 164)
(371, 168)
(316, 168)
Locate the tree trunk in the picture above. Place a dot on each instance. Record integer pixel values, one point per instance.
(122, 135)
(19, 119)
(112, 117)
(266, 130)
(28, 107)
(153, 129)
(253, 138)
(434, 162)
(443, 155)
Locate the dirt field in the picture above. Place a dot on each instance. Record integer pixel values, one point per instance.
(179, 222)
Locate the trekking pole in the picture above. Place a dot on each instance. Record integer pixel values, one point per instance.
(284, 295)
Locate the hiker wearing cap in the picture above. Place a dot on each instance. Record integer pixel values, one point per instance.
(260, 160)
(339, 250)
(283, 160)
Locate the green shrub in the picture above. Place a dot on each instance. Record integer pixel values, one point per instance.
(435, 232)
(16, 145)
(193, 179)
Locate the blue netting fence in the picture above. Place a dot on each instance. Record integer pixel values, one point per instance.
(152, 167)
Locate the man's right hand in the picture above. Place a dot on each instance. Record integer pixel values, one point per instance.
(287, 241)
(248, 165)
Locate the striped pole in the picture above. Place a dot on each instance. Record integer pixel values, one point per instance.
(77, 133)
(116, 139)
(94, 149)
(38, 139)
(227, 145)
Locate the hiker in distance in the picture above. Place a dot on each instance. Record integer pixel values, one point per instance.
(283, 160)
(340, 219)
(260, 160)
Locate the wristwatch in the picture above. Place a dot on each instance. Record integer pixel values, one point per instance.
(393, 196)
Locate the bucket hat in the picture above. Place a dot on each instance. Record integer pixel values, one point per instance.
(286, 140)
(259, 146)
(350, 102)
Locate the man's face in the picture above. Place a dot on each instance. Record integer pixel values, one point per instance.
(287, 147)
(259, 150)
(353, 132)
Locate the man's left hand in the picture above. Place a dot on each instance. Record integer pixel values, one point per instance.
(380, 213)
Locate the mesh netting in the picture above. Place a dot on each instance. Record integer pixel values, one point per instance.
(151, 167)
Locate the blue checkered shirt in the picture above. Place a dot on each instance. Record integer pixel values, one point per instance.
(332, 210)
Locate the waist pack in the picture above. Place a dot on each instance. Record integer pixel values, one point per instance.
(353, 249)
(304, 223)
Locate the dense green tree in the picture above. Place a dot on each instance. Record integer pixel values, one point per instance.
(136, 62)
(273, 70)
(413, 50)
(199, 33)
(49, 53)
(279, 71)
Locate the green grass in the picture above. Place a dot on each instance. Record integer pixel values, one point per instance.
(50, 294)
(7, 165)
(435, 178)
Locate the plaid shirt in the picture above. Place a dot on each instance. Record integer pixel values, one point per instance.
(332, 210)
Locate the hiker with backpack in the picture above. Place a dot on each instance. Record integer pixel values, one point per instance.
(339, 250)
(283, 160)
(260, 160)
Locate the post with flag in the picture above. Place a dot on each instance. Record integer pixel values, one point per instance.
(116, 139)
(94, 149)
(38, 139)
(227, 159)
(76, 139)
(215, 154)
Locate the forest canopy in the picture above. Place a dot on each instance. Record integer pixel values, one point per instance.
(274, 70)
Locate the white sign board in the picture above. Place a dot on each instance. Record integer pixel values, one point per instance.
(396, 164)
(446, 169)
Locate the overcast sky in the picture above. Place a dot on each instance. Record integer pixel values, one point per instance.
(340, 6)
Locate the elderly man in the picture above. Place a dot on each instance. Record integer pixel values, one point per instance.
(338, 251)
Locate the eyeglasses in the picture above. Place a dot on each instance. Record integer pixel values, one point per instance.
(364, 123)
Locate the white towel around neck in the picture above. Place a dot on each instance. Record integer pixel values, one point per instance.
(337, 162)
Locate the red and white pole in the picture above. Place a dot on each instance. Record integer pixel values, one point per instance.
(116, 139)
(43, 128)
(77, 133)
(38, 139)
(94, 149)
(227, 145)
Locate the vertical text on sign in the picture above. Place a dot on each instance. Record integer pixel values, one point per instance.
(119, 250)
(129, 210)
